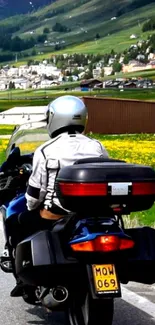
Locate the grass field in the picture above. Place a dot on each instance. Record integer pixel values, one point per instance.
(41, 98)
(5, 104)
(6, 129)
(138, 148)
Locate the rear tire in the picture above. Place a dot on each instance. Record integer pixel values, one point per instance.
(90, 311)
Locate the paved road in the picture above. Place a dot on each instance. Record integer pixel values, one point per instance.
(136, 308)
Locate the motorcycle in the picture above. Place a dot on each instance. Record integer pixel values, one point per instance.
(79, 264)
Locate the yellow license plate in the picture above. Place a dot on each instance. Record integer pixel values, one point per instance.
(105, 278)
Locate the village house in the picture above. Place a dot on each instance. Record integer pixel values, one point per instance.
(100, 64)
(97, 72)
(133, 36)
(111, 61)
(140, 57)
(35, 83)
(132, 66)
(47, 83)
(133, 46)
(21, 83)
(121, 59)
(4, 84)
(81, 75)
(3, 73)
(108, 71)
(148, 50)
(140, 43)
(23, 70)
(13, 72)
(89, 84)
(151, 56)
(48, 70)
(151, 65)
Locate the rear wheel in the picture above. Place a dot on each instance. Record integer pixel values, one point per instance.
(90, 311)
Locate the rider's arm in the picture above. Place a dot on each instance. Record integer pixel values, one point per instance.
(36, 189)
(102, 150)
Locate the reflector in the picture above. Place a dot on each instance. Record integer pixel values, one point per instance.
(146, 188)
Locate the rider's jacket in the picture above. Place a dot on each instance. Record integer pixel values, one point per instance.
(59, 152)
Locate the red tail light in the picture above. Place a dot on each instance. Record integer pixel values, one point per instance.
(104, 244)
(147, 188)
(84, 189)
(103, 189)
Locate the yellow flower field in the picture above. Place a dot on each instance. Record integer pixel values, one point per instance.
(141, 152)
(3, 146)
(134, 151)
(29, 146)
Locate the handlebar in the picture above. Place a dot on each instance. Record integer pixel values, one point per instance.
(10, 172)
(25, 169)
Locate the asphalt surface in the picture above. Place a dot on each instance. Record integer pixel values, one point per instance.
(136, 307)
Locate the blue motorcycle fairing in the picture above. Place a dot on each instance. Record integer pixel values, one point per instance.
(16, 206)
(84, 233)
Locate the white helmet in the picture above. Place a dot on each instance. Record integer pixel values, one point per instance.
(66, 113)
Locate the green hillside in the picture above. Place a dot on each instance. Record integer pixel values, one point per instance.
(81, 22)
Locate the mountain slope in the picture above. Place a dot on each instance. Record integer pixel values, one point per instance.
(15, 7)
(83, 21)
(86, 18)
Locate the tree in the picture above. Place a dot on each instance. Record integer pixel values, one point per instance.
(41, 38)
(75, 72)
(60, 64)
(112, 52)
(70, 78)
(97, 36)
(106, 58)
(17, 44)
(57, 27)
(91, 66)
(11, 85)
(34, 73)
(57, 47)
(102, 73)
(149, 25)
(46, 30)
(152, 41)
(5, 43)
(33, 52)
(30, 62)
(126, 59)
(67, 73)
(88, 75)
(117, 67)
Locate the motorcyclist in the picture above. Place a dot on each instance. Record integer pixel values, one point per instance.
(66, 119)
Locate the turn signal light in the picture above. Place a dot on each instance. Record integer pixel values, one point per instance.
(104, 244)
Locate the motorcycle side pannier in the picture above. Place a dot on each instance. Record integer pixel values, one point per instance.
(100, 187)
(40, 260)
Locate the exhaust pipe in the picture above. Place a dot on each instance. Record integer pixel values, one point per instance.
(60, 294)
(55, 297)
